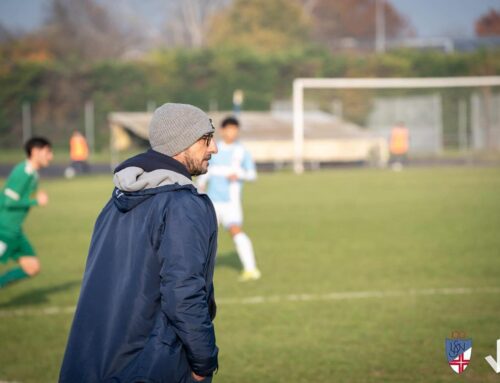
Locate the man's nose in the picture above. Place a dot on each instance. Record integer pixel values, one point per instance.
(213, 147)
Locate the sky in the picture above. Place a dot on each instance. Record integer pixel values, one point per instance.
(430, 18)
(450, 18)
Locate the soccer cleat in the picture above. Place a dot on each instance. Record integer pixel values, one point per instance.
(249, 275)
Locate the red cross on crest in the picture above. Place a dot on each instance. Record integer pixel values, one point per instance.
(460, 362)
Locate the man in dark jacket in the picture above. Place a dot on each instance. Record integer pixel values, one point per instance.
(147, 300)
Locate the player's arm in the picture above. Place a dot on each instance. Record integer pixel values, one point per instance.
(15, 196)
(220, 170)
(183, 256)
(247, 171)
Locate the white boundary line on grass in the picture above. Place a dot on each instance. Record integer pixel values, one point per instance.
(334, 296)
(53, 310)
(351, 295)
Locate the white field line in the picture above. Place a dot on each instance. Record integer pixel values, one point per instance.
(334, 296)
(53, 310)
(351, 295)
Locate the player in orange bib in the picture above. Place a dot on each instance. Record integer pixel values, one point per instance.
(399, 144)
(79, 153)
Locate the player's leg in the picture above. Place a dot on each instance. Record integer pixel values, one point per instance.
(20, 250)
(244, 248)
(28, 267)
(13, 275)
(397, 162)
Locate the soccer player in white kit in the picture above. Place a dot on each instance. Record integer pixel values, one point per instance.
(223, 182)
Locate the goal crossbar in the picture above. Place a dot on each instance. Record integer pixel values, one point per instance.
(300, 84)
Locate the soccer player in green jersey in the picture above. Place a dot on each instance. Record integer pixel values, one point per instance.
(18, 195)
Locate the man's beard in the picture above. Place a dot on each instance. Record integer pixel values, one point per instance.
(194, 167)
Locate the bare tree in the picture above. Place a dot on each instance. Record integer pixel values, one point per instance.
(261, 25)
(5, 34)
(309, 5)
(188, 21)
(86, 30)
(353, 19)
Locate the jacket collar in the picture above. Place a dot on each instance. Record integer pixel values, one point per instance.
(153, 160)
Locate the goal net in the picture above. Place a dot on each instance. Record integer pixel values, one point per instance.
(448, 113)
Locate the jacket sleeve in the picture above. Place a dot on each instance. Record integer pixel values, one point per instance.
(184, 294)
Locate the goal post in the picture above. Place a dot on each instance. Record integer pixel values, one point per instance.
(301, 84)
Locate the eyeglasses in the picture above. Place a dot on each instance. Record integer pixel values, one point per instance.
(208, 138)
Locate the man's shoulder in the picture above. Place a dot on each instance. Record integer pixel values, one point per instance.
(236, 149)
(19, 167)
(240, 146)
(21, 170)
(24, 168)
(188, 204)
(236, 145)
(186, 197)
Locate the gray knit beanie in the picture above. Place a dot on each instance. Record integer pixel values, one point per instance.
(175, 127)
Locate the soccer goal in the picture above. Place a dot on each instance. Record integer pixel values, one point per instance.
(447, 112)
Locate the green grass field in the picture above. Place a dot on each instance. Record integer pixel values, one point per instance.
(344, 231)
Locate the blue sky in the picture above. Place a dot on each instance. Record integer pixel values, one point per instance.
(444, 17)
(429, 17)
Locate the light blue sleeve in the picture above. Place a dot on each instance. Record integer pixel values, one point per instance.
(248, 165)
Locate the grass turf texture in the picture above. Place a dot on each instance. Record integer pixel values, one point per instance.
(341, 231)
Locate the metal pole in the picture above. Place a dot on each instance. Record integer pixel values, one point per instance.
(151, 106)
(439, 109)
(113, 158)
(476, 123)
(462, 125)
(486, 92)
(338, 109)
(26, 121)
(213, 105)
(380, 26)
(298, 127)
(90, 125)
(238, 97)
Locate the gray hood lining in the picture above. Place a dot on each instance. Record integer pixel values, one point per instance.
(133, 179)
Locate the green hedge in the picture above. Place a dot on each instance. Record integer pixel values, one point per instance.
(58, 91)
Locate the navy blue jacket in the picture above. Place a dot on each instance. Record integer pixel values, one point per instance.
(147, 300)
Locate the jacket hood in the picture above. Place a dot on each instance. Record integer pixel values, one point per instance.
(145, 175)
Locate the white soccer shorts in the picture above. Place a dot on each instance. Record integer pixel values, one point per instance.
(228, 213)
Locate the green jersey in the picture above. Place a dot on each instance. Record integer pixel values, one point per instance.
(16, 197)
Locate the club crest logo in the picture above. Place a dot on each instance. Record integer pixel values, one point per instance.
(458, 351)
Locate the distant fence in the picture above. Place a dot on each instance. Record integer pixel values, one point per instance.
(469, 122)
